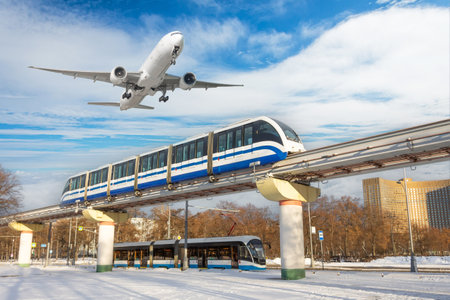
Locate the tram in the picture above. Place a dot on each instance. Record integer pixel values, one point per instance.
(245, 144)
(233, 252)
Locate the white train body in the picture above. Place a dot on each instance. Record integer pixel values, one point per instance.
(245, 144)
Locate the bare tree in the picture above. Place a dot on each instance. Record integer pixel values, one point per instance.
(10, 195)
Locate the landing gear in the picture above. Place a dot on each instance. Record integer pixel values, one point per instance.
(126, 95)
(163, 98)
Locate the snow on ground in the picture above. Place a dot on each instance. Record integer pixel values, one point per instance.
(435, 262)
(82, 282)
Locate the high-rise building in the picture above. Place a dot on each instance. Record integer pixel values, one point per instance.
(429, 201)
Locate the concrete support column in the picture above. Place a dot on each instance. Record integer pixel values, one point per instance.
(105, 246)
(107, 221)
(290, 197)
(291, 240)
(26, 237)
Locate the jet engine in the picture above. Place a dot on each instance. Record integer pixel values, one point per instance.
(118, 75)
(187, 81)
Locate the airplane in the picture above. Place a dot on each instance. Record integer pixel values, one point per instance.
(150, 78)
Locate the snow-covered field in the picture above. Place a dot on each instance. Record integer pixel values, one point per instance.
(82, 282)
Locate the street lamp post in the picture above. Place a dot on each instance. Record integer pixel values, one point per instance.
(310, 235)
(413, 258)
(185, 258)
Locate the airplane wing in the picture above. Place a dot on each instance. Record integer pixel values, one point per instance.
(95, 76)
(171, 82)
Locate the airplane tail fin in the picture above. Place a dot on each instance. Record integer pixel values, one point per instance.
(141, 106)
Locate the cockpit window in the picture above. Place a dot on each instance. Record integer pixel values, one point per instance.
(289, 132)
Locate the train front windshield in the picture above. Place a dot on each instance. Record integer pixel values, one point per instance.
(257, 251)
(289, 132)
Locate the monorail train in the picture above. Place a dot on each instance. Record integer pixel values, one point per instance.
(245, 144)
(233, 252)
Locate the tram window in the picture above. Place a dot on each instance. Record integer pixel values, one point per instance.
(238, 138)
(230, 140)
(224, 253)
(263, 131)
(193, 253)
(162, 158)
(200, 144)
(158, 254)
(75, 183)
(244, 254)
(179, 154)
(117, 169)
(248, 135)
(130, 167)
(212, 253)
(185, 152)
(168, 253)
(222, 142)
(191, 150)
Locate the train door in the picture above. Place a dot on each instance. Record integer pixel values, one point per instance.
(202, 258)
(234, 257)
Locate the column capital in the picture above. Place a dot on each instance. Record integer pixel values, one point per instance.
(281, 190)
(25, 227)
(105, 216)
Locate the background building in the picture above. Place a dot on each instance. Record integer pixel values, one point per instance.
(429, 201)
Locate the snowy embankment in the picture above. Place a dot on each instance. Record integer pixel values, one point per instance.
(425, 262)
(82, 282)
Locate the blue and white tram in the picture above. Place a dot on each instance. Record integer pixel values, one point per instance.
(245, 144)
(233, 252)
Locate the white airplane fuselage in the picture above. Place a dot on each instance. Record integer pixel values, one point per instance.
(154, 68)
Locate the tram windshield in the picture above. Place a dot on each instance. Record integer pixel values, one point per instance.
(289, 132)
(257, 251)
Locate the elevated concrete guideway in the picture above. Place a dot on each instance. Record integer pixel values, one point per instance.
(411, 146)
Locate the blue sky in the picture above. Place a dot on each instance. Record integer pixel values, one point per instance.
(333, 70)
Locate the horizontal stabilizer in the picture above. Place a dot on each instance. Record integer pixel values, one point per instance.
(141, 106)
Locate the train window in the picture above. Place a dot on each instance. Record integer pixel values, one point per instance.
(117, 170)
(230, 140)
(248, 134)
(238, 138)
(153, 161)
(185, 152)
(143, 163)
(104, 174)
(244, 254)
(200, 145)
(130, 167)
(179, 154)
(263, 131)
(222, 142)
(288, 131)
(82, 180)
(158, 254)
(191, 150)
(162, 158)
(67, 186)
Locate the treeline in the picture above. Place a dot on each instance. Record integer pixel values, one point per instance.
(350, 231)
